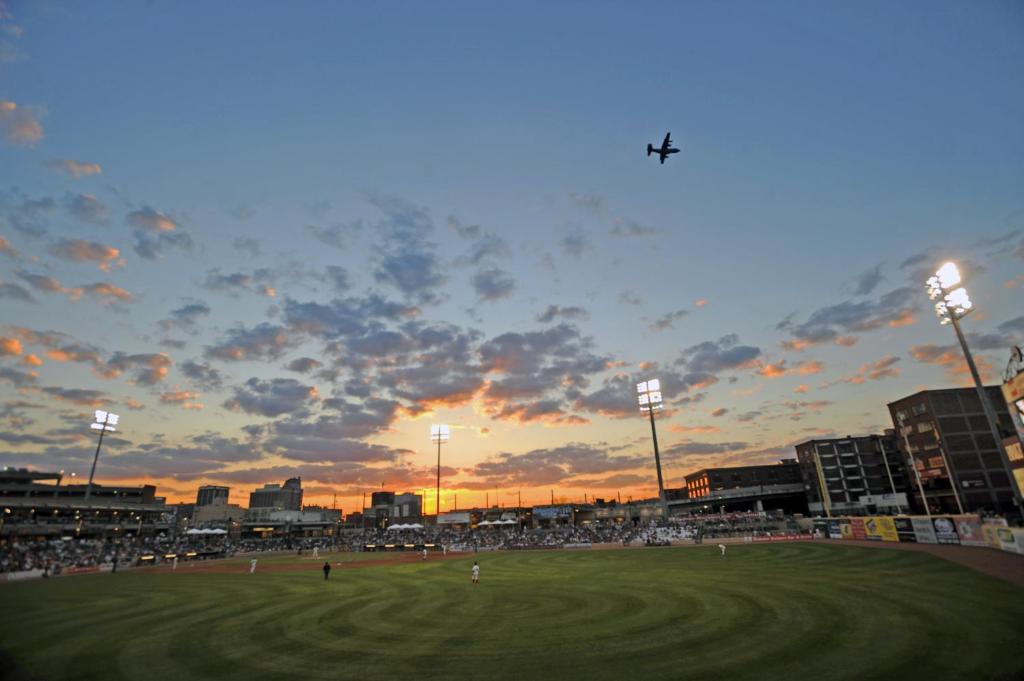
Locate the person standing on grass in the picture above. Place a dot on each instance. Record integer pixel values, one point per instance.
(252, 566)
(721, 547)
(327, 569)
(424, 554)
(476, 572)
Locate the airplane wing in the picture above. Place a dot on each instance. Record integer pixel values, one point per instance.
(663, 157)
(668, 142)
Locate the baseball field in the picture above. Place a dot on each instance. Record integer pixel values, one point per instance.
(775, 611)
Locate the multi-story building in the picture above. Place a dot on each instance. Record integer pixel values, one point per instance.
(854, 475)
(287, 497)
(955, 457)
(388, 507)
(209, 494)
(1013, 392)
(742, 488)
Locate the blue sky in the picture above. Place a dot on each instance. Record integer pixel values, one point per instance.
(398, 195)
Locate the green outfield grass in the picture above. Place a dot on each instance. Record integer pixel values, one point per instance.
(782, 611)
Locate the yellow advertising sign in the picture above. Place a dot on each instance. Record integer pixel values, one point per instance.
(845, 529)
(880, 528)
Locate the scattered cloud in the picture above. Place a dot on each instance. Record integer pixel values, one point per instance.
(263, 341)
(260, 281)
(79, 250)
(866, 281)
(20, 125)
(871, 371)
(272, 397)
(837, 323)
(156, 233)
(87, 208)
(75, 169)
(554, 312)
(186, 399)
(668, 320)
(493, 284)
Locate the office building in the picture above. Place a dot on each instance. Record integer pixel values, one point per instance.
(209, 494)
(854, 475)
(287, 497)
(956, 458)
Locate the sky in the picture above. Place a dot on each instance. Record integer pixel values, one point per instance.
(284, 239)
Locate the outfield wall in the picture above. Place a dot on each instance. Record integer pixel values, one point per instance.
(965, 530)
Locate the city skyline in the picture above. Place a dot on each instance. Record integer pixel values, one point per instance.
(287, 243)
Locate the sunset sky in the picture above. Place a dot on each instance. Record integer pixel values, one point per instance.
(283, 239)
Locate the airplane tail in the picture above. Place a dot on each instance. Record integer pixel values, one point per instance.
(649, 149)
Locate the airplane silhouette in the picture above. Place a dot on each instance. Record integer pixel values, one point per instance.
(665, 150)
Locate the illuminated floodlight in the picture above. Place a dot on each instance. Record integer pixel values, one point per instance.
(649, 395)
(948, 275)
(440, 433)
(105, 421)
(959, 302)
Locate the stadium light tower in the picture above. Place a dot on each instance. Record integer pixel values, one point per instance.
(105, 421)
(439, 434)
(649, 397)
(952, 304)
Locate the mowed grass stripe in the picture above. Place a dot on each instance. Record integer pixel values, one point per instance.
(762, 612)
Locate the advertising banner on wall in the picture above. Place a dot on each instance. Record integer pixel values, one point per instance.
(1007, 540)
(859, 531)
(991, 534)
(969, 529)
(905, 529)
(845, 529)
(872, 529)
(833, 530)
(924, 531)
(883, 527)
(945, 530)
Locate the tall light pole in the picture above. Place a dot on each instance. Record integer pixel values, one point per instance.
(649, 397)
(952, 304)
(439, 434)
(105, 421)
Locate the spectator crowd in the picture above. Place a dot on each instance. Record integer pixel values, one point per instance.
(55, 555)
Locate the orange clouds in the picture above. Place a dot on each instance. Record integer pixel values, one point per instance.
(780, 369)
(10, 346)
(79, 250)
(676, 428)
(951, 358)
(906, 318)
(871, 371)
(186, 399)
